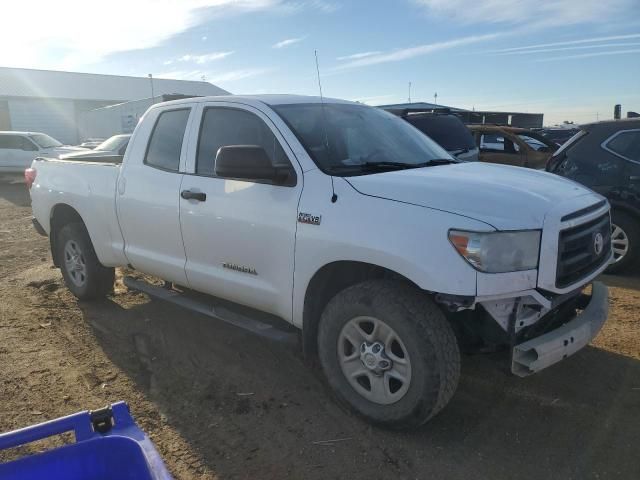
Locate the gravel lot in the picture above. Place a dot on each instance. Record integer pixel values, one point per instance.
(220, 403)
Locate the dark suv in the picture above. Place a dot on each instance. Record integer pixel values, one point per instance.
(445, 129)
(605, 156)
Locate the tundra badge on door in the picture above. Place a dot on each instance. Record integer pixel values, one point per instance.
(239, 268)
(310, 219)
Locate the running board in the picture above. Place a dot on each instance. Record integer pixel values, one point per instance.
(213, 310)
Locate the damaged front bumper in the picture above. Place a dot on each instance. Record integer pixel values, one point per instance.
(540, 352)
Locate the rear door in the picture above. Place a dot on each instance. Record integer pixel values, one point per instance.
(149, 194)
(591, 162)
(239, 237)
(626, 146)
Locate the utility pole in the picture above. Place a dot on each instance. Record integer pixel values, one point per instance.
(153, 100)
(409, 92)
(435, 98)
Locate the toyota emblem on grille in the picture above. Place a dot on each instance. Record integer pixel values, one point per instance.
(598, 243)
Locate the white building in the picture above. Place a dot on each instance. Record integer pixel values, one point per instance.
(53, 102)
(105, 122)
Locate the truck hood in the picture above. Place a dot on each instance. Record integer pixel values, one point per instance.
(505, 197)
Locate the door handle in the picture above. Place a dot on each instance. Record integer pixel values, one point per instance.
(634, 178)
(189, 195)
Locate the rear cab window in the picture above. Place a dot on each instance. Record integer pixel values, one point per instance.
(498, 143)
(165, 144)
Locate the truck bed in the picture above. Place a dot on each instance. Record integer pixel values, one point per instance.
(87, 187)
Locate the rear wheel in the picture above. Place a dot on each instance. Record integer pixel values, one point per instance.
(389, 353)
(625, 241)
(83, 273)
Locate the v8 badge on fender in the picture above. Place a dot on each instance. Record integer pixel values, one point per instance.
(310, 219)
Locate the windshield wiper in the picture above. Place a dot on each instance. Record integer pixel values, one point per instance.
(383, 166)
(390, 165)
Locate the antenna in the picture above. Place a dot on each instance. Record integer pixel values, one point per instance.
(334, 197)
(409, 92)
(318, 73)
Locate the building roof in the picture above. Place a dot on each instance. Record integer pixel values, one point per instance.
(24, 82)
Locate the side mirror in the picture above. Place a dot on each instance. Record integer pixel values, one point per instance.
(248, 162)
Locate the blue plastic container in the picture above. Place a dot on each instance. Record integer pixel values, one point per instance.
(109, 445)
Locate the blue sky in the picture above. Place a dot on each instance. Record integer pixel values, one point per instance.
(570, 59)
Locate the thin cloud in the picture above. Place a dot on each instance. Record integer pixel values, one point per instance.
(234, 75)
(575, 47)
(376, 99)
(323, 5)
(356, 56)
(528, 12)
(206, 58)
(287, 42)
(214, 77)
(570, 42)
(89, 42)
(181, 75)
(587, 55)
(421, 50)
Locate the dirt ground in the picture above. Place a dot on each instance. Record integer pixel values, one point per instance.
(220, 403)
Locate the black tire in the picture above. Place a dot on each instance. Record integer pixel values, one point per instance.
(631, 228)
(426, 334)
(97, 280)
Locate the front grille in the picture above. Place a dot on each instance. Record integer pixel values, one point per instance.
(577, 257)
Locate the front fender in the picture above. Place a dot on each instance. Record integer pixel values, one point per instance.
(409, 240)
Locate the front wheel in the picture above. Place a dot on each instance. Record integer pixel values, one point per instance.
(625, 241)
(83, 273)
(389, 353)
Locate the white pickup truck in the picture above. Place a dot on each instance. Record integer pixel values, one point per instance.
(348, 223)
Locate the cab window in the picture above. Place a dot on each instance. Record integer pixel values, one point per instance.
(222, 127)
(165, 144)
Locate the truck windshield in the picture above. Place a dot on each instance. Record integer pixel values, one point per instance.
(45, 141)
(347, 139)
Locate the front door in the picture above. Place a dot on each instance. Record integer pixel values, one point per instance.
(16, 153)
(239, 236)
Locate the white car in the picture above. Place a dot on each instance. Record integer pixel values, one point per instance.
(345, 221)
(18, 149)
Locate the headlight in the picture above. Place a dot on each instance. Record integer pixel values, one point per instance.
(497, 252)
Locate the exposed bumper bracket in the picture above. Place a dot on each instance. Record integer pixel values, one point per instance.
(539, 353)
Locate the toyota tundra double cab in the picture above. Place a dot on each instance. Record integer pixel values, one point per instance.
(345, 221)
